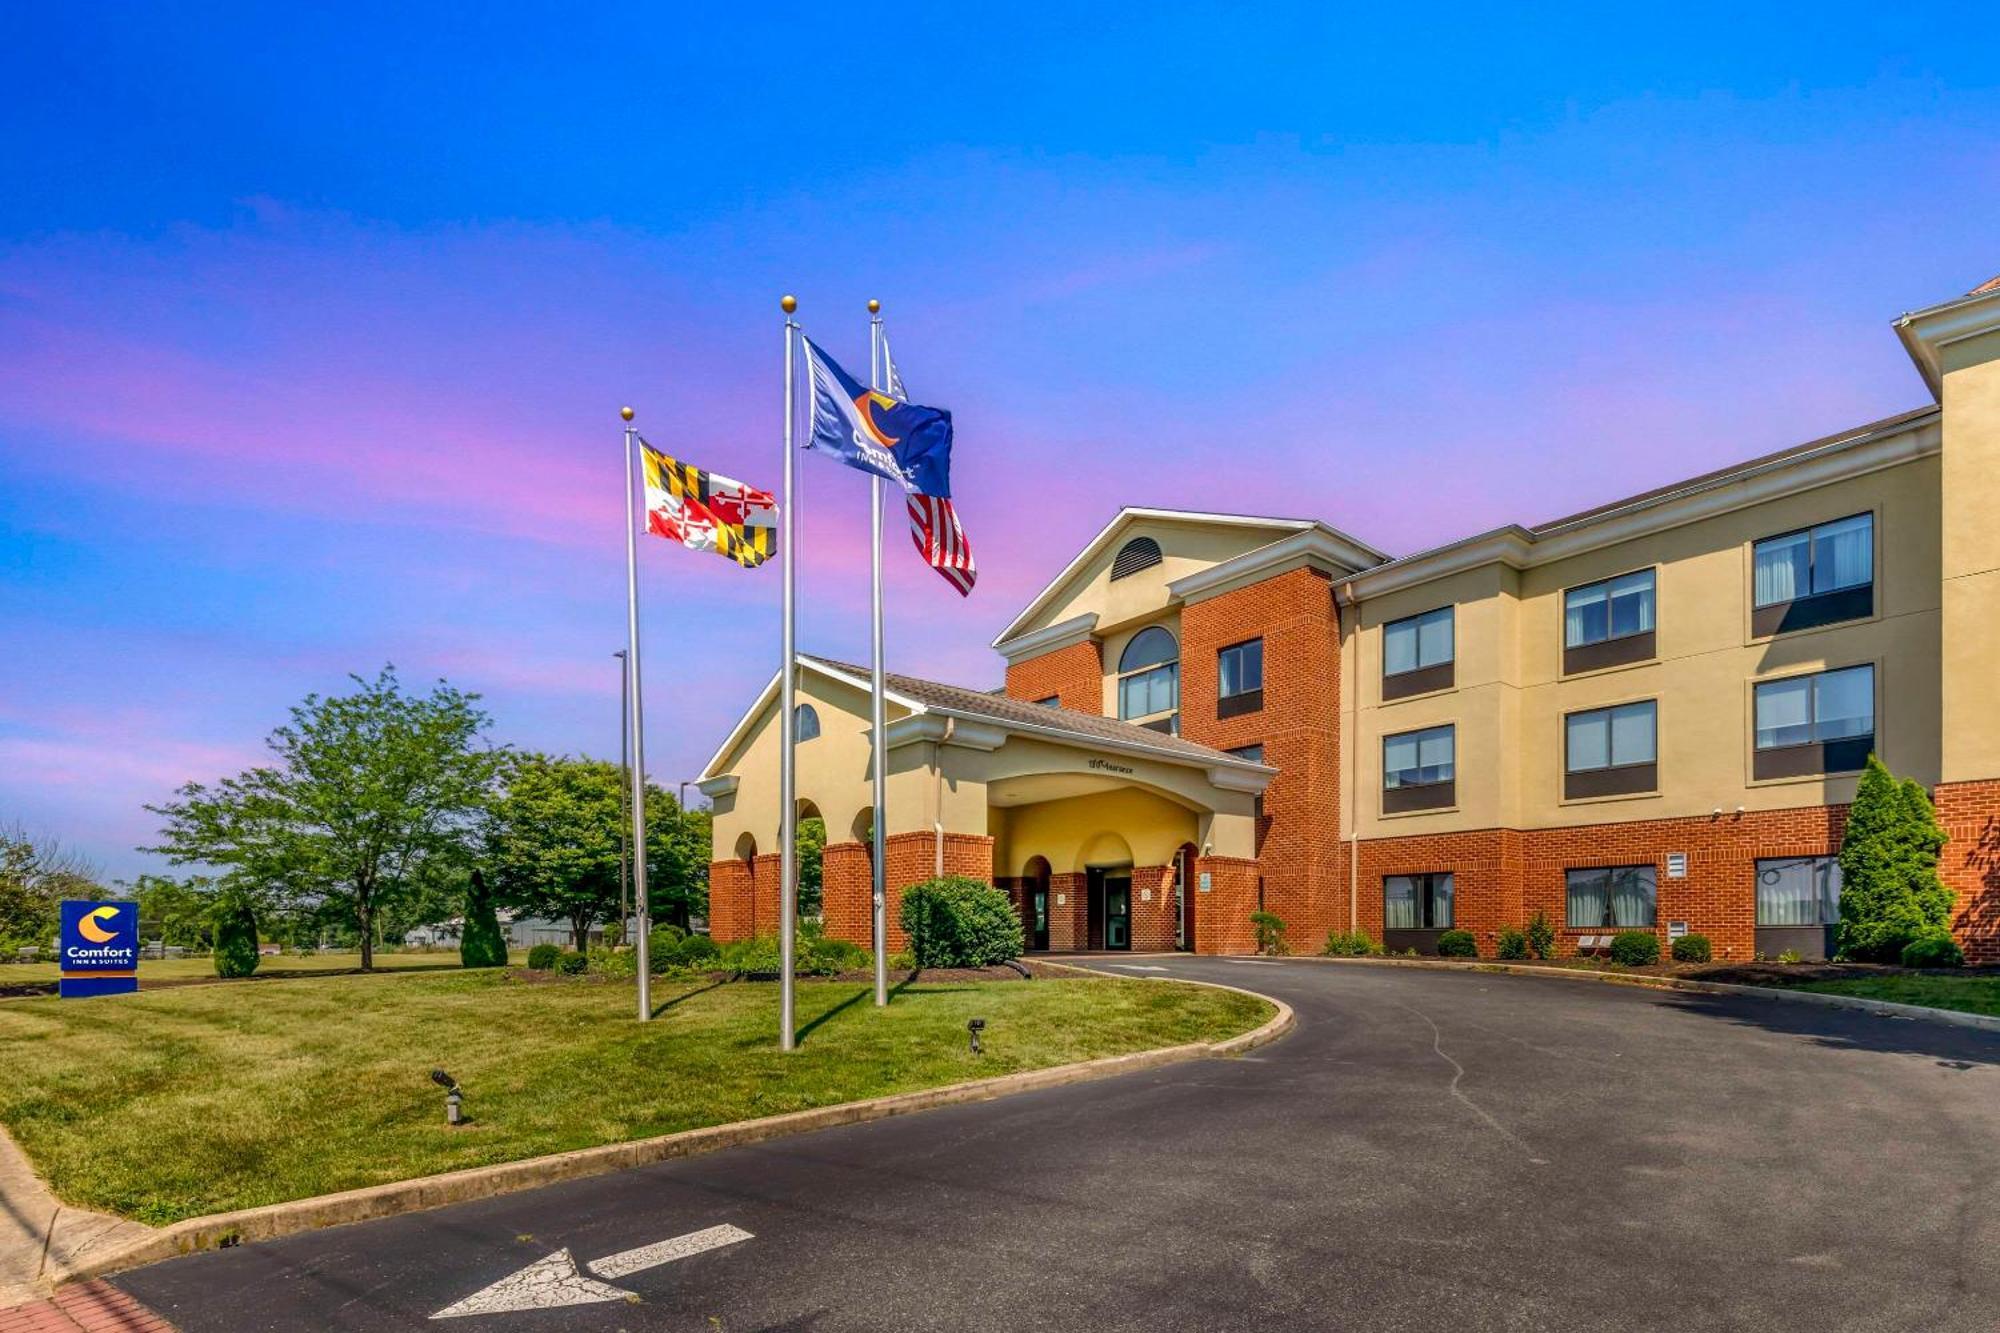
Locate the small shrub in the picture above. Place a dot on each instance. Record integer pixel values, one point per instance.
(235, 938)
(1937, 950)
(696, 951)
(756, 957)
(904, 961)
(1458, 944)
(1541, 934)
(572, 964)
(957, 921)
(1270, 928)
(1789, 956)
(615, 964)
(663, 947)
(1692, 949)
(1350, 944)
(1512, 944)
(1635, 948)
(823, 957)
(542, 958)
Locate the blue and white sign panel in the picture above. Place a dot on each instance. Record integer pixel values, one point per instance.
(100, 948)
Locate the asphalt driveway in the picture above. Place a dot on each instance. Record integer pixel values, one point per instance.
(1428, 1150)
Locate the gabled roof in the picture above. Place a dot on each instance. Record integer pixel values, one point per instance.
(917, 696)
(1360, 552)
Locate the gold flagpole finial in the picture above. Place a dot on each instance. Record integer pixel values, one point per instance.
(625, 412)
(874, 307)
(789, 303)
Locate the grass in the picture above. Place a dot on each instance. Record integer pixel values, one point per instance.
(197, 969)
(184, 1102)
(1977, 993)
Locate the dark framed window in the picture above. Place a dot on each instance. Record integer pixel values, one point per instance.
(1611, 751)
(1612, 897)
(1419, 769)
(1053, 701)
(1822, 723)
(1417, 653)
(805, 722)
(1609, 623)
(1815, 576)
(1240, 678)
(1416, 902)
(1135, 555)
(1798, 891)
(1149, 679)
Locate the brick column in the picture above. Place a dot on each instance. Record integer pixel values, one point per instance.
(729, 900)
(1222, 914)
(1970, 865)
(846, 890)
(769, 873)
(1153, 922)
(912, 859)
(1068, 918)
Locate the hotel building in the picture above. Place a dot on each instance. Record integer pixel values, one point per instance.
(1649, 715)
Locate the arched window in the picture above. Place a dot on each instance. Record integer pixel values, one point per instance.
(1149, 680)
(1135, 555)
(805, 722)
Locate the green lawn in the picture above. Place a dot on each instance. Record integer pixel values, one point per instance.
(1978, 993)
(192, 969)
(202, 1099)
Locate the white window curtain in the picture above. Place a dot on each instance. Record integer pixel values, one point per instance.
(1441, 895)
(1783, 568)
(1844, 554)
(1417, 757)
(1584, 618)
(1632, 897)
(1631, 604)
(1632, 734)
(1399, 647)
(1844, 703)
(1784, 713)
(1801, 891)
(1399, 903)
(1587, 906)
(1435, 754)
(1589, 741)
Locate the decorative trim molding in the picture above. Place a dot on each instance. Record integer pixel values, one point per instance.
(1318, 546)
(1926, 333)
(1075, 630)
(715, 788)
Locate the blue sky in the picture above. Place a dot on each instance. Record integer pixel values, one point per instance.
(312, 327)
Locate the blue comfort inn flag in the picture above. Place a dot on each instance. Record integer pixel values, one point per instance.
(897, 441)
(100, 948)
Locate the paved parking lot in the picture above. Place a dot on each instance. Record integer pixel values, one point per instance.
(1428, 1150)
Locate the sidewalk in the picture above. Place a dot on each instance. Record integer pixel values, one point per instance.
(84, 1307)
(42, 1239)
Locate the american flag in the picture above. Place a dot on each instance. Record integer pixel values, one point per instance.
(934, 525)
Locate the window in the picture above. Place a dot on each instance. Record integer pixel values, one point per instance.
(1617, 897)
(1135, 555)
(1814, 577)
(805, 722)
(1254, 753)
(1823, 723)
(1240, 677)
(1611, 751)
(1416, 902)
(1798, 891)
(1417, 654)
(1418, 769)
(1149, 679)
(1053, 701)
(1614, 609)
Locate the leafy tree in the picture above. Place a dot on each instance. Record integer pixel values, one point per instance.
(180, 912)
(35, 877)
(1890, 892)
(811, 845)
(677, 850)
(365, 811)
(481, 943)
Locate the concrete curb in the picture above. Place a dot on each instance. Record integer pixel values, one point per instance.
(221, 1230)
(1886, 1008)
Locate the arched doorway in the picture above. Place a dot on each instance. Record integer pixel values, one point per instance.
(1184, 891)
(1035, 903)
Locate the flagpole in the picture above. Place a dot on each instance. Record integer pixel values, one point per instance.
(637, 732)
(877, 711)
(788, 814)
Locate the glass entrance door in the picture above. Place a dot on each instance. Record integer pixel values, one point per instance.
(1039, 905)
(1118, 911)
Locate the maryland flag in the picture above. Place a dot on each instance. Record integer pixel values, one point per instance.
(706, 512)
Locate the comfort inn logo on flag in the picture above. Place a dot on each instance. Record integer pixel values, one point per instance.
(100, 948)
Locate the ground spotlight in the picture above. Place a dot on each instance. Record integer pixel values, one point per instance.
(973, 1027)
(454, 1097)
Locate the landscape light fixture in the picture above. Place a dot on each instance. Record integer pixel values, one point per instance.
(454, 1097)
(973, 1027)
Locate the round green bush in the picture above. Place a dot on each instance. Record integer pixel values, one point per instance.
(958, 921)
(1512, 944)
(757, 957)
(572, 964)
(696, 951)
(663, 947)
(542, 958)
(1692, 949)
(1350, 944)
(235, 939)
(1933, 951)
(1635, 948)
(1457, 944)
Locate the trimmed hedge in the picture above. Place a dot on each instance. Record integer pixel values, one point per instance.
(1933, 951)
(572, 963)
(1692, 949)
(1458, 944)
(542, 958)
(958, 921)
(1635, 948)
(1350, 944)
(235, 939)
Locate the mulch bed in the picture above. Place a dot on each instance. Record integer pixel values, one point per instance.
(1734, 974)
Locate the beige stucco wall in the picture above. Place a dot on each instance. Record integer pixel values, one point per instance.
(1511, 696)
(1185, 548)
(1127, 826)
(1971, 560)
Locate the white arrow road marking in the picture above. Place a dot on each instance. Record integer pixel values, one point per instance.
(555, 1281)
(666, 1251)
(1139, 967)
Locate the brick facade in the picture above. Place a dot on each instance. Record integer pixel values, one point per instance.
(743, 897)
(1074, 676)
(1970, 814)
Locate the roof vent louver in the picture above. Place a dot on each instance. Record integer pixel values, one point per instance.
(1135, 555)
